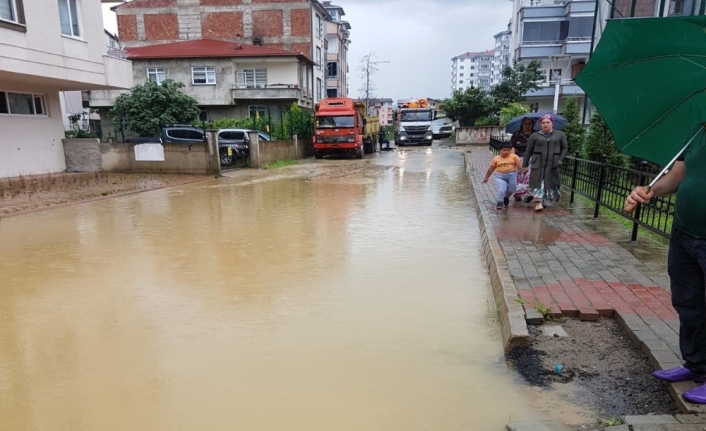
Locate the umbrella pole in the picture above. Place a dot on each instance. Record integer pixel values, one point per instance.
(669, 165)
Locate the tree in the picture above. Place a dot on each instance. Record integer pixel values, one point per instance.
(149, 107)
(600, 142)
(518, 79)
(467, 106)
(575, 131)
(511, 111)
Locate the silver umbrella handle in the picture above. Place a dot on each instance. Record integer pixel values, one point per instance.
(669, 165)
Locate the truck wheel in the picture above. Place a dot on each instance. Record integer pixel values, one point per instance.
(359, 153)
(318, 155)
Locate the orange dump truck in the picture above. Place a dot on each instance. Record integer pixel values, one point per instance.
(339, 127)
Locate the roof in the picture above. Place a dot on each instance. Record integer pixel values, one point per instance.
(474, 54)
(207, 48)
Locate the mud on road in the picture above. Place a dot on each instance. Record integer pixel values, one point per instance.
(601, 370)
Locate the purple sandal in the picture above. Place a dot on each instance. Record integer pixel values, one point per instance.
(680, 374)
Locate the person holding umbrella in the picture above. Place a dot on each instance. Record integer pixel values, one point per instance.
(546, 150)
(664, 125)
(686, 262)
(519, 146)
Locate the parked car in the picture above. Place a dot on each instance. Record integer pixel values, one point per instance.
(441, 128)
(238, 141)
(182, 133)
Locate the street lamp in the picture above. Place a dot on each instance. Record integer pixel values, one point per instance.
(367, 81)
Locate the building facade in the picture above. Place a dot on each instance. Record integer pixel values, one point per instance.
(297, 26)
(502, 55)
(47, 47)
(557, 33)
(381, 108)
(472, 69)
(338, 40)
(228, 80)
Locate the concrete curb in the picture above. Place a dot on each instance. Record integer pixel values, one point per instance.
(511, 314)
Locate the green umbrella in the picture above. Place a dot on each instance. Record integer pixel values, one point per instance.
(647, 78)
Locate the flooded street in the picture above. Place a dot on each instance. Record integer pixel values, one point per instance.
(332, 295)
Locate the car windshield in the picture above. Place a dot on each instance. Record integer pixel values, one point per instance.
(416, 116)
(329, 122)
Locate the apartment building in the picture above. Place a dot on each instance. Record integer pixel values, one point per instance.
(47, 47)
(558, 33)
(472, 69)
(236, 58)
(502, 55)
(338, 40)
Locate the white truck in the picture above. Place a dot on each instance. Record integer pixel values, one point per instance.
(413, 124)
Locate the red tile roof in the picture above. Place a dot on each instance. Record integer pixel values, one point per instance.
(206, 48)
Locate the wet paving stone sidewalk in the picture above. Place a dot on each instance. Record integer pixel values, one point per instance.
(558, 260)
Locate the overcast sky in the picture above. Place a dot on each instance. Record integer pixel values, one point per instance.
(417, 37)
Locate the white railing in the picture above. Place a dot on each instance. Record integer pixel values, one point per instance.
(116, 53)
(578, 39)
(542, 43)
(533, 3)
(243, 86)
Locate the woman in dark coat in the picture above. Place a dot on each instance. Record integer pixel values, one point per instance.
(519, 146)
(547, 150)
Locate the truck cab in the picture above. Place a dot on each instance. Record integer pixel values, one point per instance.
(339, 127)
(413, 126)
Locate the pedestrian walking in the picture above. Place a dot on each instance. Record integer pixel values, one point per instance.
(546, 151)
(686, 261)
(505, 167)
(382, 137)
(519, 146)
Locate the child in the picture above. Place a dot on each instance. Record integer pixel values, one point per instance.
(506, 165)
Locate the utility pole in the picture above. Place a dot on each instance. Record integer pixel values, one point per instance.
(368, 68)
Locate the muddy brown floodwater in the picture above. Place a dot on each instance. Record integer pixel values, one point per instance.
(333, 295)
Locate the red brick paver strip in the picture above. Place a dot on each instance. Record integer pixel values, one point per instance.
(559, 258)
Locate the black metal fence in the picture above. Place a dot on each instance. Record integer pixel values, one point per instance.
(607, 186)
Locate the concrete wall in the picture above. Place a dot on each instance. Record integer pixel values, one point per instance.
(31, 144)
(83, 155)
(479, 135)
(200, 158)
(263, 152)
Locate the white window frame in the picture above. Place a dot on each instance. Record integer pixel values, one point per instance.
(338, 72)
(43, 101)
(15, 13)
(319, 89)
(73, 20)
(319, 29)
(248, 78)
(154, 72)
(205, 70)
(318, 57)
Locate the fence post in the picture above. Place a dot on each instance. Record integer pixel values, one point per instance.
(601, 177)
(573, 176)
(638, 209)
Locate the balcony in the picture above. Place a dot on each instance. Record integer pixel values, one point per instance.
(577, 45)
(540, 49)
(268, 91)
(544, 8)
(116, 53)
(548, 88)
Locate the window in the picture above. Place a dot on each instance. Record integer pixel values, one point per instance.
(69, 18)
(318, 28)
(460, 82)
(252, 78)
(203, 75)
(332, 92)
(461, 67)
(332, 68)
(22, 104)
(334, 14)
(257, 111)
(485, 66)
(12, 14)
(319, 88)
(318, 57)
(580, 27)
(545, 31)
(156, 74)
